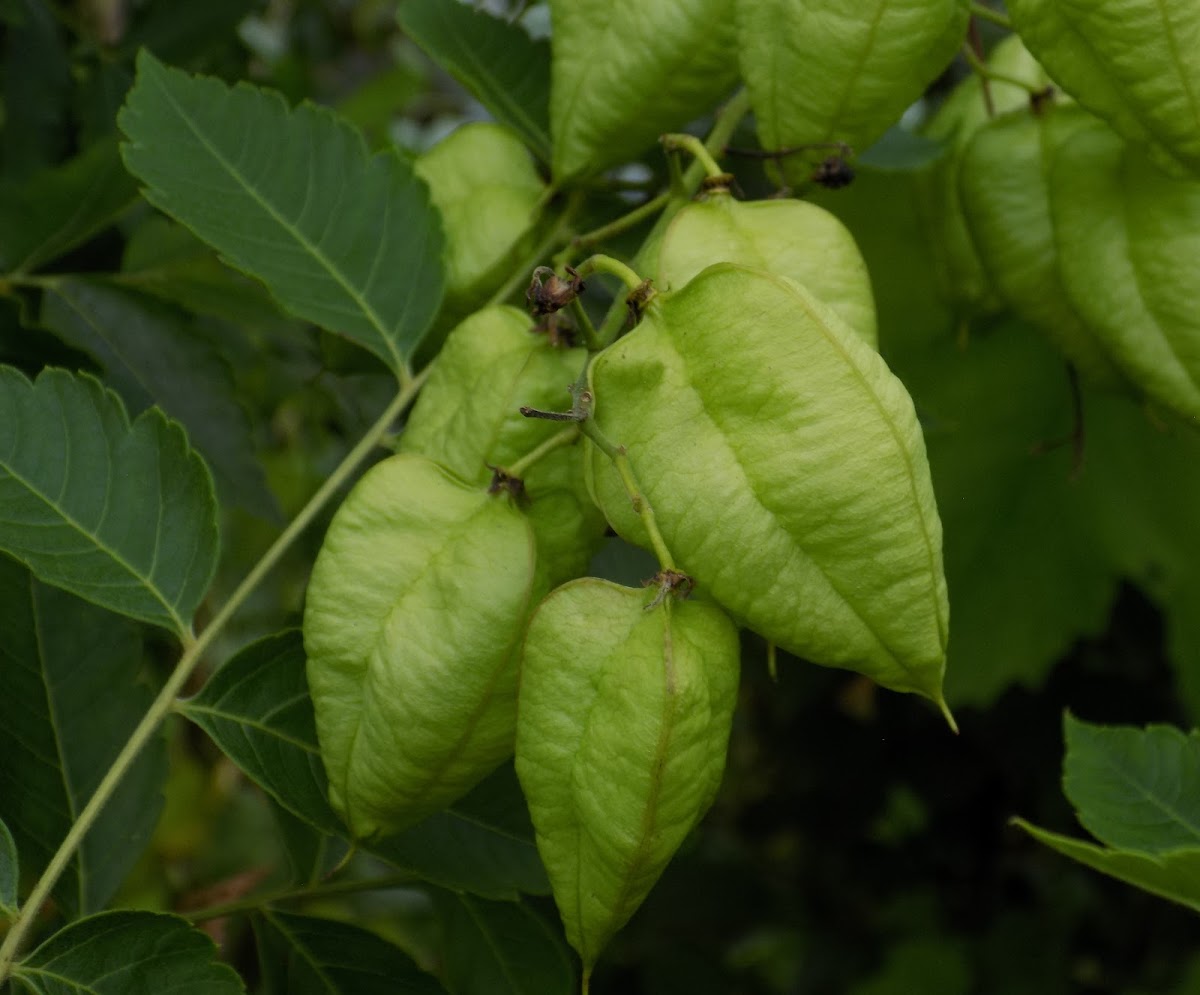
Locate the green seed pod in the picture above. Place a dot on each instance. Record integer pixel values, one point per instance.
(1128, 238)
(625, 71)
(791, 238)
(623, 726)
(828, 71)
(962, 280)
(468, 419)
(1135, 63)
(483, 181)
(786, 469)
(1004, 185)
(412, 625)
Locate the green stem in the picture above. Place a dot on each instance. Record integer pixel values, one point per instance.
(693, 145)
(986, 72)
(584, 322)
(192, 655)
(987, 14)
(613, 267)
(556, 441)
(615, 227)
(553, 237)
(620, 459)
(253, 902)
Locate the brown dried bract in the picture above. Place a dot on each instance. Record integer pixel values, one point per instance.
(675, 583)
(548, 292)
(503, 482)
(833, 173)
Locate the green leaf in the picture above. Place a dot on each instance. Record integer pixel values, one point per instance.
(625, 71)
(35, 80)
(257, 710)
(150, 355)
(53, 211)
(1135, 63)
(60, 656)
(786, 468)
(500, 948)
(10, 875)
(342, 238)
(506, 70)
(180, 32)
(120, 514)
(1134, 789)
(824, 71)
(1173, 875)
(323, 957)
(482, 844)
(117, 953)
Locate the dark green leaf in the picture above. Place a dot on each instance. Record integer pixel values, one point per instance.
(323, 957)
(44, 216)
(35, 80)
(1134, 789)
(10, 872)
(482, 844)
(122, 953)
(150, 355)
(257, 710)
(342, 238)
(498, 62)
(1174, 876)
(178, 32)
(501, 948)
(120, 514)
(900, 149)
(60, 657)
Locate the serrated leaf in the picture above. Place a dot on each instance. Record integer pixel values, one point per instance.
(150, 355)
(1134, 789)
(323, 957)
(60, 656)
(1135, 63)
(257, 710)
(55, 210)
(482, 844)
(1172, 875)
(506, 70)
(342, 238)
(500, 948)
(116, 953)
(121, 514)
(10, 872)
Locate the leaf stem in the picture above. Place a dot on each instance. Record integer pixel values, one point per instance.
(556, 441)
(985, 13)
(614, 267)
(698, 151)
(614, 227)
(253, 902)
(194, 650)
(987, 73)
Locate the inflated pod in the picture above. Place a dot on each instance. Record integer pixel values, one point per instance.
(624, 72)
(1005, 190)
(468, 419)
(412, 626)
(787, 471)
(791, 238)
(624, 722)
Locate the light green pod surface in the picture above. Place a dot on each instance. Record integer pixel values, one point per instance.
(623, 726)
(791, 238)
(962, 278)
(1005, 189)
(484, 182)
(1128, 239)
(624, 72)
(468, 416)
(1135, 63)
(831, 71)
(787, 472)
(412, 622)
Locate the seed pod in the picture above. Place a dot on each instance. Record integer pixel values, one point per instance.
(468, 419)
(623, 726)
(1128, 238)
(625, 71)
(1004, 185)
(412, 624)
(828, 71)
(791, 238)
(962, 279)
(786, 469)
(1135, 63)
(483, 181)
